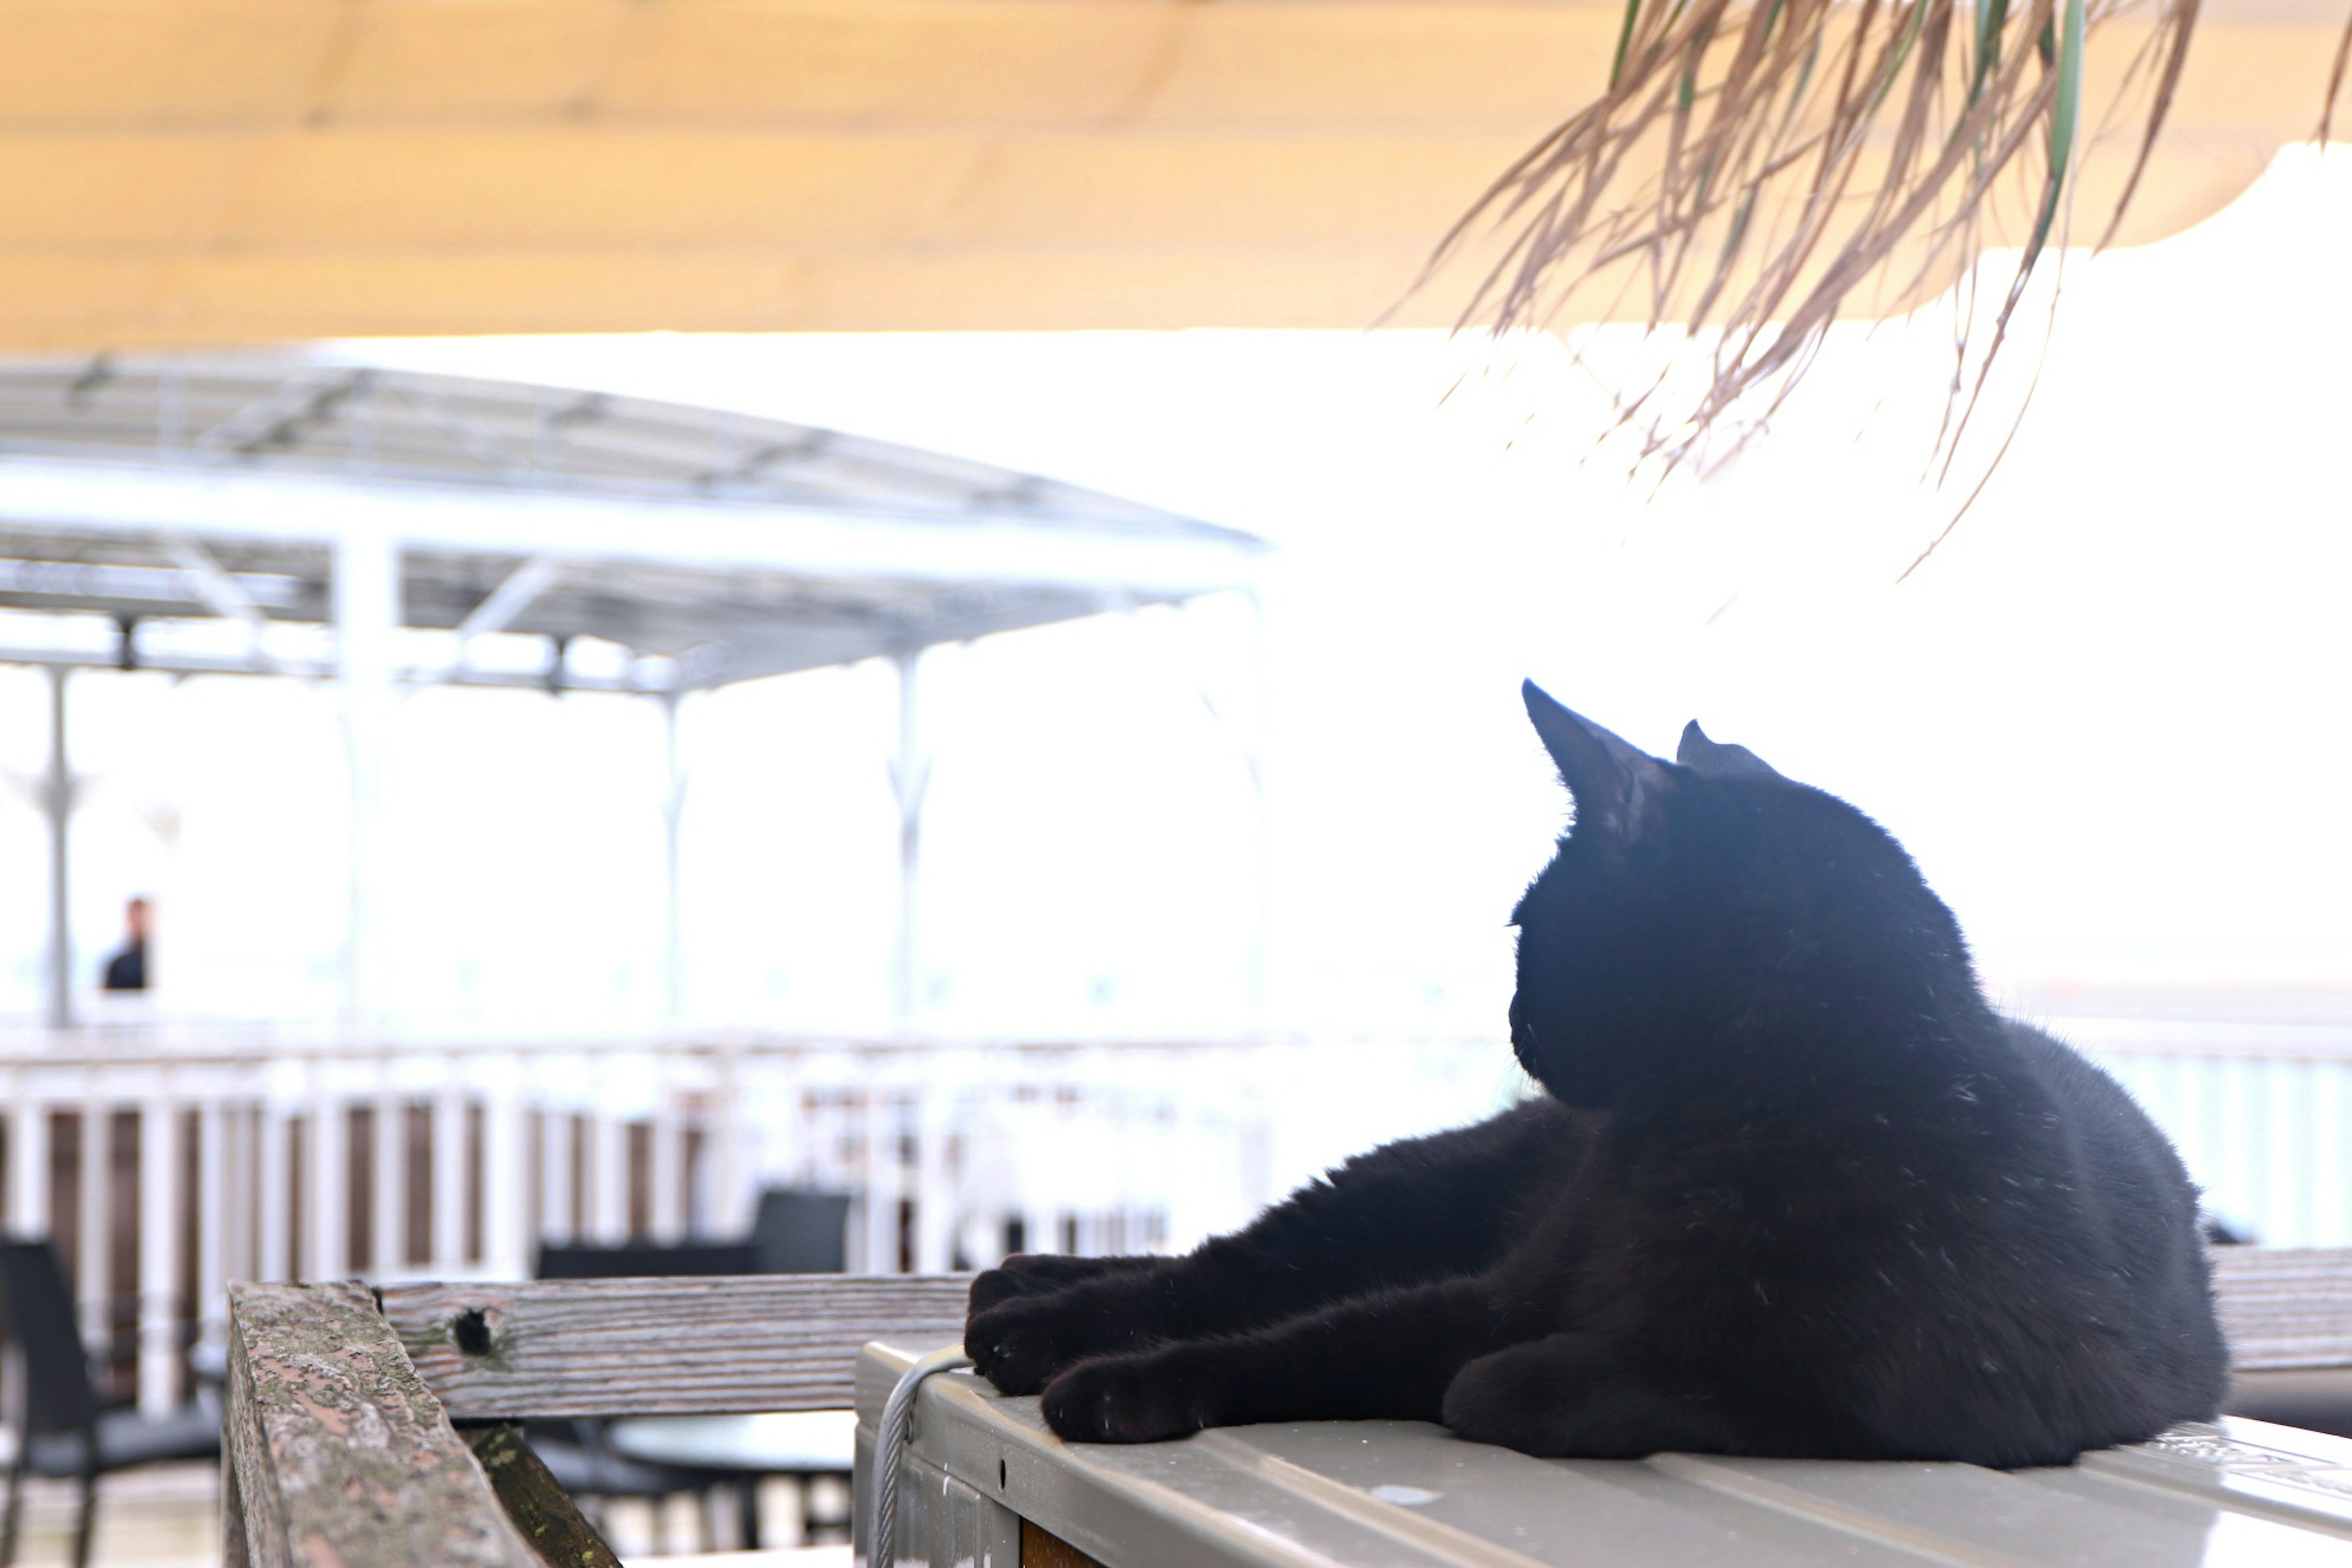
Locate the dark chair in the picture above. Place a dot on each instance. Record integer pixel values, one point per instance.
(62, 1432)
(640, 1259)
(804, 1230)
(795, 1231)
(577, 1453)
(799, 1230)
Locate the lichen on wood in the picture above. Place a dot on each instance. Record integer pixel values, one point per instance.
(537, 1502)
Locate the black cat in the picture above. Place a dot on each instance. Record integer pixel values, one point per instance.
(1796, 1190)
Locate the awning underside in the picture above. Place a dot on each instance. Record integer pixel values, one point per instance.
(702, 547)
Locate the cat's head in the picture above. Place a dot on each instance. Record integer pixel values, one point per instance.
(1697, 904)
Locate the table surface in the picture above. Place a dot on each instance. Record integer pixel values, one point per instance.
(2243, 1494)
(807, 1441)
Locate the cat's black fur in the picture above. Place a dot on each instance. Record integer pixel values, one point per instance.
(1796, 1190)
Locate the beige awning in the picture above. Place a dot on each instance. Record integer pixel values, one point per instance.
(221, 171)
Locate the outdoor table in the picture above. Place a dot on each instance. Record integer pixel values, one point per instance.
(982, 1482)
(801, 1445)
(777, 1443)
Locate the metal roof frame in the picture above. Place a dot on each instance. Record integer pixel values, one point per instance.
(710, 547)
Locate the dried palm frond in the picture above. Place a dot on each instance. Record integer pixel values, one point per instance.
(1755, 170)
(2336, 84)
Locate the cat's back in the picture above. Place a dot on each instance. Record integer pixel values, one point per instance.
(2086, 1281)
(2138, 1222)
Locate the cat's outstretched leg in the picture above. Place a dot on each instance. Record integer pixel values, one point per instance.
(1041, 1274)
(1407, 1213)
(1569, 1395)
(1386, 1355)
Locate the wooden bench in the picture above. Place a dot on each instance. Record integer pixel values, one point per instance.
(2288, 1313)
(374, 1428)
(342, 1444)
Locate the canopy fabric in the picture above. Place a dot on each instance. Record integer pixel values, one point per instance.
(213, 171)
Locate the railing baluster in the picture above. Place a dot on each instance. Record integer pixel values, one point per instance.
(326, 1202)
(28, 1165)
(215, 1215)
(94, 1273)
(2327, 1176)
(934, 1190)
(449, 1174)
(507, 1229)
(158, 1256)
(390, 1131)
(2286, 1150)
(608, 1177)
(668, 1174)
(729, 1184)
(555, 1175)
(245, 1148)
(274, 1167)
(880, 1177)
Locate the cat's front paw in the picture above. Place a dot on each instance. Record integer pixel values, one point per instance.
(1020, 1344)
(1124, 1399)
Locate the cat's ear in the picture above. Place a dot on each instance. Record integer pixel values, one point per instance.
(1615, 782)
(1712, 759)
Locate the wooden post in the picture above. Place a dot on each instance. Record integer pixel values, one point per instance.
(335, 1451)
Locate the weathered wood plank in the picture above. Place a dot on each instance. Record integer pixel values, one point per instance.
(2285, 1306)
(537, 1502)
(339, 1453)
(649, 1347)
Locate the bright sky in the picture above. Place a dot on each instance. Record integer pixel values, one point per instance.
(2109, 716)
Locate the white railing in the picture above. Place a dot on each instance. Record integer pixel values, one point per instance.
(195, 1157)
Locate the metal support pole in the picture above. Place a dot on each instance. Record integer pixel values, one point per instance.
(1261, 729)
(911, 776)
(367, 615)
(57, 804)
(673, 898)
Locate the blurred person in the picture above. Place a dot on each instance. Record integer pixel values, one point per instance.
(126, 970)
